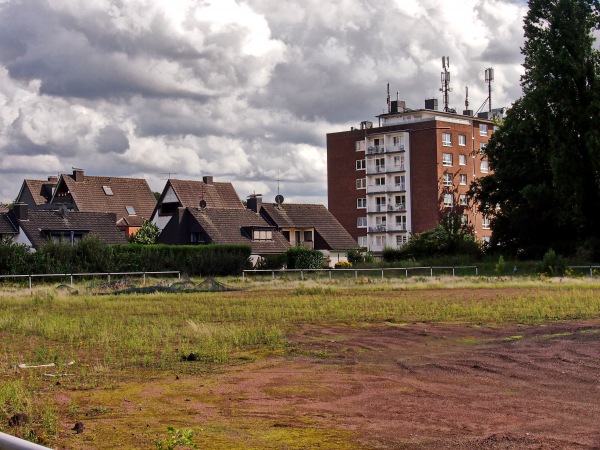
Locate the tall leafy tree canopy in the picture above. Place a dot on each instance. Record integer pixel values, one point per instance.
(545, 188)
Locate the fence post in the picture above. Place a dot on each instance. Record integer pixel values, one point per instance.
(30, 290)
(108, 277)
(382, 277)
(591, 273)
(71, 279)
(476, 271)
(356, 274)
(273, 275)
(406, 272)
(144, 276)
(453, 271)
(330, 274)
(431, 271)
(243, 275)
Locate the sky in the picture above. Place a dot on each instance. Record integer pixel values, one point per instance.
(242, 90)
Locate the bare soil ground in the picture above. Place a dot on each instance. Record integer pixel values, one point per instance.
(438, 386)
(392, 386)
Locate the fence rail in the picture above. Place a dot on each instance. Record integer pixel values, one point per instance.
(383, 271)
(89, 274)
(590, 268)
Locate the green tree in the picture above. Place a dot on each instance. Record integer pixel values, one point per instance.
(545, 188)
(147, 234)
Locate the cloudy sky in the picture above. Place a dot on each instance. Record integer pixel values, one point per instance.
(244, 90)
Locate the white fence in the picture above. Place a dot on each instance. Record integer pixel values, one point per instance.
(400, 271)
(71, 276)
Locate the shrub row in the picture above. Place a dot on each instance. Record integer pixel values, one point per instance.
(92, 255)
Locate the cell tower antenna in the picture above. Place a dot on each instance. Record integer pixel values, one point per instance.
(466, 97)
(446, 82)
(489, 77)
(389, 103)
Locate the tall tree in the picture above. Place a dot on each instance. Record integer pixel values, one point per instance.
(545, 188)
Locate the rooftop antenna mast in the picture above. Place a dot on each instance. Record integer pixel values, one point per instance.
(388, 99)
(446, 82)
(489, 77)
(466, 97)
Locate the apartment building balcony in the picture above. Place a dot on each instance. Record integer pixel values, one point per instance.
(399, 227)
(375, 150)
(394, 149)
(392, 169)
(377, 229)
(400, 186)
(373, 188)
(375, 169)
(389, 208)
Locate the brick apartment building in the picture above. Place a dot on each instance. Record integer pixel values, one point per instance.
(399, 177)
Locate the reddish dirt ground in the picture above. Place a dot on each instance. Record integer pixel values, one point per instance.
(423, 386)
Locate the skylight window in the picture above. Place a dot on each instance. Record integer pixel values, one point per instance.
(130, 210)
(107, 190)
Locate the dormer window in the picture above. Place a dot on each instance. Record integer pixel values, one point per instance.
(107, 190)
(262, 235)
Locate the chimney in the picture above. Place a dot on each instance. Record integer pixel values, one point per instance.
(208, 180)
(52, 178)
(78, 175)
(21, 211)
(431, 103)
(254, 202)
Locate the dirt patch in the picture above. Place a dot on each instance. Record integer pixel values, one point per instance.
(433, 386)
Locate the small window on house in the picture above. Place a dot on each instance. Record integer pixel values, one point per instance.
(464, 220)
(483, 129)
(107, 190)
(485, 223)
(262, 235)
(462, 160)
(362, 241)
(401, 239)
(360, 146)
(196, 237)
(308, 236)
(448, 179)
(380, 181)
(286, 234)
(361, 222)
(462, 200)
(361, 183)
(462, 140)
(130, 210)
(361, 202)
(463, 179)
(361, 164)
(447, 159)
(446, 139)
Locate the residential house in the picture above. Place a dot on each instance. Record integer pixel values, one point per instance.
(400, 177)
(311, 226)
(209, 225)
(130, 199)
(193, 194)
(37, 194)
(35, 228)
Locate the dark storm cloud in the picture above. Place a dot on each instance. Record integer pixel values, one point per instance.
(112, 139)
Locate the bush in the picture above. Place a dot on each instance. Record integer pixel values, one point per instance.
(343, 265)
(15, 258)
(552, 264)
(303, 258)
(359, 255)
(500, 266)
(271, 262)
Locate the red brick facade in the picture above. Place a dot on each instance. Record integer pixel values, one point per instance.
(442, 157)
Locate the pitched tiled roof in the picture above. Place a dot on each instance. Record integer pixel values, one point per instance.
(3, 208)
(98, 224)
(41, 190)
(7, 226)
(216, 195)
(131, 221)
(224, 226)
(310, 216)
(92, 195)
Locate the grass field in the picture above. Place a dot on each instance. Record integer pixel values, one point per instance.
(118, 342)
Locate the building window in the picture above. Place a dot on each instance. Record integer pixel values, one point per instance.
(462, 199)
(380, 181)
(130, 210)
(448, 179)
(107, 190)
(400, 202)
(464, 220)
(361, 202)
(483, 167)
(462, 160)
(362, 241)
(360, 146)
(308, 236)
(482, 147)
(485, 223)
(401, 223)
(463, 179)
(379, 241)
(462, 140)
(483, 129)
(399, 162)
(262, 235)
(197, 237)
(380, 203)
(361, 164)
(361, 183)
(448, 200)
(485, 239)
(361, 222)
(380, 165)
(447, 159)
(398, 142)
(446, 139)
(401, 239)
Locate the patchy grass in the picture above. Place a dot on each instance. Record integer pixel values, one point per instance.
(129, 349)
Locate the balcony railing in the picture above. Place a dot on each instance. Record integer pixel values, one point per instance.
(375, 169)
(397, 207)
(396, 148)
(377, 229)
(375, 149)
(400, 186)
